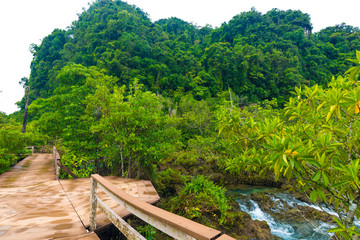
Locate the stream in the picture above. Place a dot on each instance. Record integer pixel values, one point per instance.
(281, 218)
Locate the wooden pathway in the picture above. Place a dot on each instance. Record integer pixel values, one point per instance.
(33, 205)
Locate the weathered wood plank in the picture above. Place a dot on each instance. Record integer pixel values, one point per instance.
(93, 204)
(225, 237)
(120, 223)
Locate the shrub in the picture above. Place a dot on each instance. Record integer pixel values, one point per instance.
(201, 200)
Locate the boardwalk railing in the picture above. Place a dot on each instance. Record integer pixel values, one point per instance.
(32, 149)
(173, 225)
(58, 164)
(38, 149)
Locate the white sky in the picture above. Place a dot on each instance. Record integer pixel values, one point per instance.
(23, 22)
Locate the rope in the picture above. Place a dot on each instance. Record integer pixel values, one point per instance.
(72, 205)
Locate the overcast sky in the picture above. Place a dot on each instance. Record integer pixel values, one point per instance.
(23, 22)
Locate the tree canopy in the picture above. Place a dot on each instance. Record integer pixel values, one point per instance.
(259, 56)
(120, 94)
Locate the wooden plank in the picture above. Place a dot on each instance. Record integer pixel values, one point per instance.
(120, 223)
(225, 237)
(86, 236)
(165, 221)
(93, 204)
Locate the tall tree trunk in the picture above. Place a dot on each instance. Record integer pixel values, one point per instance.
(26, 109)
(139, 169)
(128, 174)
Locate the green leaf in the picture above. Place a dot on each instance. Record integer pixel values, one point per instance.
(288, 172)
(340, 224)
(285, 160)
(338, 112)
(358, 56)
(277, 169)
(221, 129)
(334, 230)
(353, 60)
(352, 69)
(313, 162)
(325, 179)
(317, 176)
(322, 195)
(313, 195)
(320, 106)
(331, 112)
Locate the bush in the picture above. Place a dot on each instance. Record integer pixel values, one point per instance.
(12, 145)
(201, 200)
(169, 182)
(80, 166)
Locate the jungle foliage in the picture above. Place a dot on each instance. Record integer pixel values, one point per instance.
(259, 56)
(119, 94)
(13, 142)
(314, 143)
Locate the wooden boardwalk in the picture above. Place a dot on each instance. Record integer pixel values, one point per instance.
(33, 205)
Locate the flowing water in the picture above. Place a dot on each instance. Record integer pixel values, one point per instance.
(282, 227)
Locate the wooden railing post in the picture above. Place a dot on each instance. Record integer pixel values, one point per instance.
(93, 203)
(54, 157)
(32, 149)
(57, 169)
(56, 165)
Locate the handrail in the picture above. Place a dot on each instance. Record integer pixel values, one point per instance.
(32, 149)
(37, 147)
(58, 164)
(169, 223)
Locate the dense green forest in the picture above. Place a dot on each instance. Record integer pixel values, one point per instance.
(260, 100)
(258, 56)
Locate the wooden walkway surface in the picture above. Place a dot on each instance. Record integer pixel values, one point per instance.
(33, 205)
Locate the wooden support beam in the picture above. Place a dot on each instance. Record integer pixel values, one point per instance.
(120, 223)
(93, 204)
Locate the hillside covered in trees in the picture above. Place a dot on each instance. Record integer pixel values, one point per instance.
(259, 56)
(260, 100)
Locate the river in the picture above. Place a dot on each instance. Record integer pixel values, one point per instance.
(280, 218)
